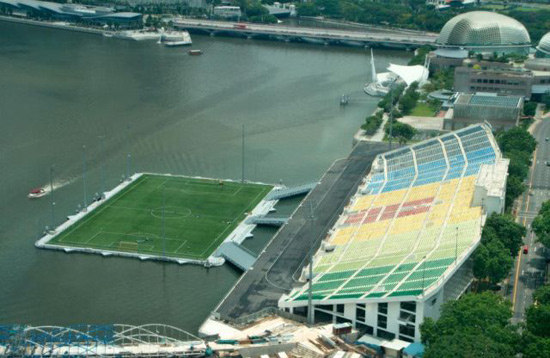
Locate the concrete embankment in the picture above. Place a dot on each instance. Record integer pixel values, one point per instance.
(53, 25)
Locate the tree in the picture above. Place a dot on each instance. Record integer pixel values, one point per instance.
(400, 130)
(517, 138)
(307, 9)
(534, 346)
(538, 320)
(503, 228)
(514, 188)
(477, 325)
(541, 224)
(492, 261)
(542, 295)
(529, 109)
(519, 163)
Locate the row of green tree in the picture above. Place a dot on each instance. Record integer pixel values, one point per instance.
(501, 240)
(395, 103)
(373, 122)
(476, 325)
(479, 325)
(518, 145)
(413, 14)
(536, 336)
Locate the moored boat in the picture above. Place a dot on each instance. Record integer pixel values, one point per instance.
(137, 35)
(175, 38)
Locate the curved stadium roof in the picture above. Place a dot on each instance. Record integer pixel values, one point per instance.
(544, 45)
(483, 29)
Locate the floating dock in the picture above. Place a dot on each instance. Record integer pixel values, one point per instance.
(148, 245)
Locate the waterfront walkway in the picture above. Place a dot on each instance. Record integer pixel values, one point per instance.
(394, 38)
(280, 263)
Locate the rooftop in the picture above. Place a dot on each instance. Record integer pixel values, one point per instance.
(493, 178)
(488, 100)
(409, 226)
(483, 29)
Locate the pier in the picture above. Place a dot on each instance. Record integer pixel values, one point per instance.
(267, 220)
(391, 39)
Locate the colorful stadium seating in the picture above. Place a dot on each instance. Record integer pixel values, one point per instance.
(410, 222)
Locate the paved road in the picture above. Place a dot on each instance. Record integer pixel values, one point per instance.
(528, 268)
(279, 264)
(405, 37)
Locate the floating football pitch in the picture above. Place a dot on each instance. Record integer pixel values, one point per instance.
(166, 215)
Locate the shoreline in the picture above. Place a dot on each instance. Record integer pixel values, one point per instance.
(53, 25)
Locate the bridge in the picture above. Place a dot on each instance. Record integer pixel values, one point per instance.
(290, 192)
(237, 255)
(266, 220)
(93, 340)
(402, 39)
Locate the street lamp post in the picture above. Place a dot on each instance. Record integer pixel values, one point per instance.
(102, 193)
(52, 202)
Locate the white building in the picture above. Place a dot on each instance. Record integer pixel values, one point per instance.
(401, 247)
(227, 11)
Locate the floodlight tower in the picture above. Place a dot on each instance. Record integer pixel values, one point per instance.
(310, 316)
(52, 202)
(102, 193)
(163, 224)
(84, 176)
(242, 173)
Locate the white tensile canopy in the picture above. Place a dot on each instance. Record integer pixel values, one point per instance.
(410, 74)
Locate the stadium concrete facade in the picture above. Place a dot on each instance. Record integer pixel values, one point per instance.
(402, 245)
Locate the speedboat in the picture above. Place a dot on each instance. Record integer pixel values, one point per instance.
(36, 193)
(195, 52)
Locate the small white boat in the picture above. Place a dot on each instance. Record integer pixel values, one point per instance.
(175, 38)
(195, 52)
(37, 193)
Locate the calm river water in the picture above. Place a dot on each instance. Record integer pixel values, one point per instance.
(174, 113)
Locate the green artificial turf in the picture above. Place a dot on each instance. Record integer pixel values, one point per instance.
(198, 216)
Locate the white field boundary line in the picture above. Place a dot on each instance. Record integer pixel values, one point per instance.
(228, 192)
(238, 235)
(255, 211)
(73, 219)
(179, 247)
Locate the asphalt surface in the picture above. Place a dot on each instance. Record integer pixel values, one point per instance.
(398, 36)
(279, 264)
(527, 273)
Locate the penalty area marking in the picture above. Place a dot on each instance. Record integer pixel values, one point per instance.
(171, 212)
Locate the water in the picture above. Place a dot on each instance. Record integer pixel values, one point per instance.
(174, 113)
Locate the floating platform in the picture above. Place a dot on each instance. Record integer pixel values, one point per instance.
(165, 218)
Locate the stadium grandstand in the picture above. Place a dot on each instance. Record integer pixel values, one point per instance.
(402, 245)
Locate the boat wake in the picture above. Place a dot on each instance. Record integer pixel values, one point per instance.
(58, 184)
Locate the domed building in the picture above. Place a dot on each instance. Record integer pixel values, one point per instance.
(482, 32)
(543, 49)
